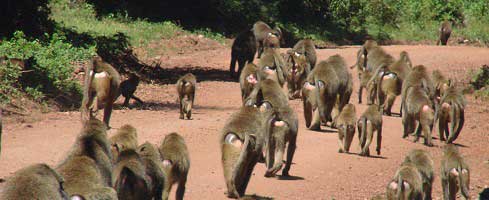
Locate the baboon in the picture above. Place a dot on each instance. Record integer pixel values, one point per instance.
(441, 84)
(451, 110)
(332, 85)
(130, 178)
(243, 51)
(370, 121)
(418, 108)
(454, 173)
(390, 80)
(247, 80)
(406, 184)
(423, 162)
(377, 59)
(418, 76)
(241, 143)
(306, 47)
(176, 163)
(186, 87)
(362, 53)
(272, 65)
(264, 34)
(125, 138)
(154, 167)
(297, 69)
(101, 89)
(92, 143)
(38, 181)
(128, 87)
(346, 124)
(445, 32)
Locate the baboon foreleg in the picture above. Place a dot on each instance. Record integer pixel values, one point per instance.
(379, 140)
(442, 129)
(407, 122)
(369, 136)
(360, 91)
(316, 121)
(426, 129)
(390, 103)
(126, 102)
(347, 142)
(181, 107)
(290, 155)
(341, 137)
(181, 188)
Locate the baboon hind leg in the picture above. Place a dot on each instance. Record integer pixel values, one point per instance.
(290, 155)
(108, 113)
(181, 188)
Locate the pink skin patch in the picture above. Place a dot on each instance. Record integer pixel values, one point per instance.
(233, 140)
(454, 172)
(445, 106)
(270, 71)
(279, 123)
(390, 76)
(167, 163)
(426, 108)
(308, 86)
(393, 185)
(251, 79)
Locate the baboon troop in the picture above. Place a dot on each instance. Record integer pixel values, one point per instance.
(445, 31)
(186, 86)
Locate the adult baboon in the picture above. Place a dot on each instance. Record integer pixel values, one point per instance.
(454, 173)
(247, 80)
(176, 163)
(418, 108)
(307, 48)
(423, 162)
(272, 65)
(418, 76)
(297, 69)
(445, 32)
(186, 87)
(243, 51)
(128, 87)
(406, 184)
(130, 179)
(125, 138)
(346, 123)
(264, 34)
(368, 123)
(151, 158)
(101, 89)
(38, 181)
(241, 143)
(451, 110)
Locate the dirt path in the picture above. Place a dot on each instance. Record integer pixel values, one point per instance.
(319, 171)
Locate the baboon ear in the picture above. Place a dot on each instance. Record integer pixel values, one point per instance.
(393, 185)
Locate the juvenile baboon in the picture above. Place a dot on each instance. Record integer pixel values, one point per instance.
(362, 53)
(125, 138)
(272, 65)
(262, 33)
(101, 89)
(247, 80)
(243, 51)
(186, 87)
(297, 69)
(418, 108)
(423, 162)
(332, 86)
(418, 76)
(441, 84)
(454, 173)
(38, 181)
(370, 121)
(346, 124)
(151, 158)
(306, 47)
(176, 163)
(241, 143)
(451, 110)
(130, 179)
(406, 184)
(128, 87)
(445, 32)
(390, 79)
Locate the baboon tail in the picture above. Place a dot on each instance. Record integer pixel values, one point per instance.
(89, 75)
(464, 188)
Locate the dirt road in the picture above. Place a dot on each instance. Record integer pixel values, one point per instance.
(319, 171)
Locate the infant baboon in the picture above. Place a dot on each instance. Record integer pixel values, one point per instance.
(247, 80)
(346, 123)
(441, 84)
(186, 87)
(101, 89)
(128, 87)
(451, 110)
(125, 138)
(241, 143)
(297, 69)
(176, 164)
(406, 184)
(418, 108)
(265, 35)
(370, 121)
(38, 181)
(272, 66)
(243, 51)
(130, 179)
(423, 162)
(445, 32)
(454, 173)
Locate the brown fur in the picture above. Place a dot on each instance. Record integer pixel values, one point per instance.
(418, 76)
(272, 65)
(129, 177)
(406, 184)
(128, 88)
(441, 84)
(243, 51)
(186, 87)
(176, 163)
(247, 80)
(418, 109)
(451, 111)
(125, 138)
(454, 173)
(38, 181)
(266, 36)
(444, 33)
(423, 162)
(296, 70)
(101, 89)
(151, 158)
(368, 123)
(346, 123)
(306, 47)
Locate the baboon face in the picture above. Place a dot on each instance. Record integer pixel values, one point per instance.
(251, 79)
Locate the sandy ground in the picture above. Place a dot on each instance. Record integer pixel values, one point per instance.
(318, 172)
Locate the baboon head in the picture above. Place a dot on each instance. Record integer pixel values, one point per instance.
(296, 65)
